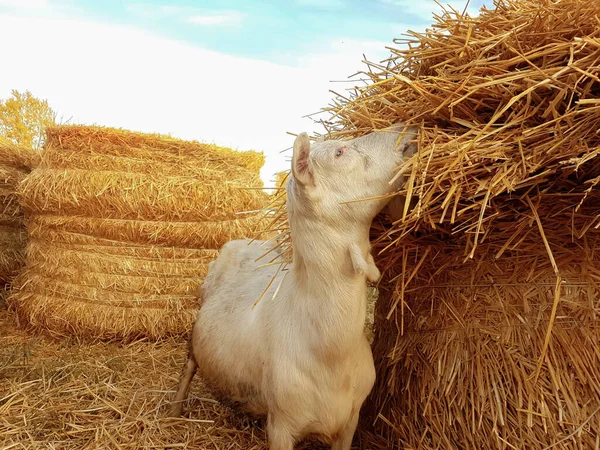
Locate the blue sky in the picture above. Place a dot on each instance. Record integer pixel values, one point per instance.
(273, 30)
(238, 73)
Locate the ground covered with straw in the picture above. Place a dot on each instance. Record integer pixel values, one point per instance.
(70, 395)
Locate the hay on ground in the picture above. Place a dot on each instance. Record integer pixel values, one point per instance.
(75, 396)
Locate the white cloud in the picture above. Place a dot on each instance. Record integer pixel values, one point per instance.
(191, 15)
(170, 9)
(343, 57)
(124, 77)
(426, 8)
(322, 4)
(24, 4)
(223, 18)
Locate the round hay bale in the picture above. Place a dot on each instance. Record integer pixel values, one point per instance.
(9, 205)
(37, 284)
(110, 291)
(11, 220)
(122, 228)
(11, 177)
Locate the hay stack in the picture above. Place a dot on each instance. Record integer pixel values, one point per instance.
(123, 226)
(16, 162)
(487, 329)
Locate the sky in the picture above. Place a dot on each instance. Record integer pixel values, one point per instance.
(242, 74)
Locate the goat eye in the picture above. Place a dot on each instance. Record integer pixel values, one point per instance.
(339, 152)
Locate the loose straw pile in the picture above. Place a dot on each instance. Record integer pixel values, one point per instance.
(16, 162)
(74, 395)
(123, 226)
(488, 336)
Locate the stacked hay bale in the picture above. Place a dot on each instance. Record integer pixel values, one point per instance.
(487, 329)
(123, 226)
(16, 162)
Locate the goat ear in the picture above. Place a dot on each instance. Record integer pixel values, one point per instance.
(407, 144)
(395, 207)
(301, 166)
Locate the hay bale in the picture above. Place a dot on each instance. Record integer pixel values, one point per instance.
(174, 165)
(211, 235)
(16, 162)
(12, 251)
(490, 352)
(134, 196)
(17, 156)
(150, 147)
(122, 227)
(487, 332)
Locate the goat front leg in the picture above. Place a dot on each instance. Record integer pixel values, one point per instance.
(364, 266)
(344, 441)
(278, 434)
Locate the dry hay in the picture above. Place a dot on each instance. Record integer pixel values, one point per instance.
(122, 228)
(150, 147)
(94, 259)
(11, 177)
(491, 352)
(174, 166)
(12, 251)
(476, 346)
(108, 173)
(208, 235)
(17, 156)
(16, 162)
(9, 220)
(135, 196)
(71, 395)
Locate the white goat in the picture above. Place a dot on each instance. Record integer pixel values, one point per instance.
(300, 357)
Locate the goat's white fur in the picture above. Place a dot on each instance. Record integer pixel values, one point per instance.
(301, 356)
